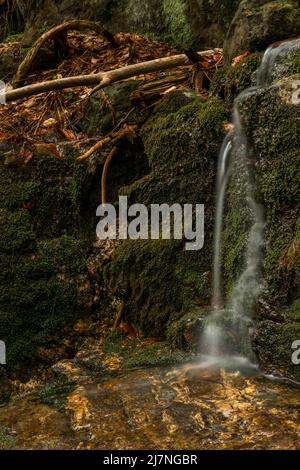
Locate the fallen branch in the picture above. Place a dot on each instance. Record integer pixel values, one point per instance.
(103, 79)
(57, 32)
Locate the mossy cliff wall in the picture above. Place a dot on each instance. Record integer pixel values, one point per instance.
(159, 280)
(44, 285)
(185, 23)
(270, 119)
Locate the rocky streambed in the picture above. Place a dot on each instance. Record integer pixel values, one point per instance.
(155, 408)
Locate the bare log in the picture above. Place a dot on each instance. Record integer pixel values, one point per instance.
(57, 31)
(103, 79)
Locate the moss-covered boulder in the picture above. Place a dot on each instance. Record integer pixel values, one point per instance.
(107, 108)
(258, 23)
(158, 279)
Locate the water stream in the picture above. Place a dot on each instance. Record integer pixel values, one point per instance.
(234, 315)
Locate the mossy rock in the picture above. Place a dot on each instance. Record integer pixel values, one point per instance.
(185, 331)
(159, 278)
(228, 82)
(135, 353)
(7, 440)
(274, 345)
(259, 23)
(271, 121)
(54, 393)
(43, 251)
(105, 109)
(184, 23)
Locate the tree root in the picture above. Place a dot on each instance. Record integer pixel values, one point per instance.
(119, 315)
(104, 173)
(58, 34)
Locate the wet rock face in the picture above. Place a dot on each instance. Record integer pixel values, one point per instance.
(259, 23)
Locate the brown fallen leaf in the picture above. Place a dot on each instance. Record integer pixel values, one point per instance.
(68, 134)
(128, 329)
(239, 58)
(27, 205)
(47, 149)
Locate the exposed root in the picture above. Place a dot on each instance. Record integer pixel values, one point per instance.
(58, 34)
(104, 173)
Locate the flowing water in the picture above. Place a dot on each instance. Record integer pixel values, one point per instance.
(160, 409)
(235, 315)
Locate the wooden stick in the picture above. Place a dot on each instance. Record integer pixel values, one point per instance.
(103, 79)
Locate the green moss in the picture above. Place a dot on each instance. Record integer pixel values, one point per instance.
(184, 332)
(114, 341)
(235, 239)
(272, 124)
(228, 82)
(178, 23)
(157, 354)
(7, 441)
(292, 64)
(13, 37)
(16, 231)
(42, 256)
(134, 353)
(54, 394)
(159, 279)
(295, 310)
(39, 295)
(105, 109)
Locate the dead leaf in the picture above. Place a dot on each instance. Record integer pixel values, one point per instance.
(25, 155)
(51, 122)
(239, 58)
(47, 149)
(68, 134)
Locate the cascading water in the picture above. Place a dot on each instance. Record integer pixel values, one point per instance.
(222, 180)
(225, 340)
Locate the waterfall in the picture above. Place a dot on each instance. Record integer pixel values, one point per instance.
(225, 341)
(222, 180)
